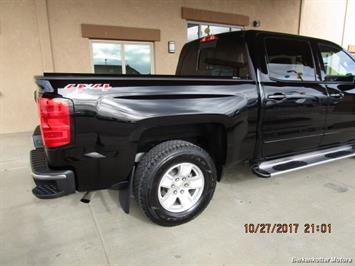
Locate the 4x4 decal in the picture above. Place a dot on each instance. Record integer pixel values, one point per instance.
(84, 86)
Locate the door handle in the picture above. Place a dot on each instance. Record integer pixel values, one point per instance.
(279, 96)
(337, 95)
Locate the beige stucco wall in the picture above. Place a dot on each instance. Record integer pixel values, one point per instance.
(349, 31)
(72, 52)
(333, 20)
(20, 59)
(40, 35)
(323, 19)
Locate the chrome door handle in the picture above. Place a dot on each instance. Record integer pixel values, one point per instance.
(277, 96)
(337, 95)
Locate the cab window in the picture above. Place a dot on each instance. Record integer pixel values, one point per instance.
(289, 59)
(223, 56)
(336, 64)
(226, 57)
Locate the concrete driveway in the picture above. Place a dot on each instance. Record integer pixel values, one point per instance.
(65, 231)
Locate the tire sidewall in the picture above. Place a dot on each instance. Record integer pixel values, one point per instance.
(200, 159)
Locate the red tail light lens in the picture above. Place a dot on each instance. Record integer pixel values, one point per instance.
(209, 38)
(55, 121)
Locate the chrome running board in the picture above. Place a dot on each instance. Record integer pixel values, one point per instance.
(297, 162)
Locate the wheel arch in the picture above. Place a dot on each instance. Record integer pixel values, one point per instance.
(212, 137)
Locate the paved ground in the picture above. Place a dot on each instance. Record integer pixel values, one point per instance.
(67, 232)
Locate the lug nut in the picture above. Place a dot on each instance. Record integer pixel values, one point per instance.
(184, 178)
(176, 179)
(186, 185)
(172, 185)
(181, 191)
(175, 191)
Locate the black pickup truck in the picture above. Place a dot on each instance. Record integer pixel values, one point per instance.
(280, 102)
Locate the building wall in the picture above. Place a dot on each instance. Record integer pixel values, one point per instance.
(71, 51)
(44, 35)
(20, 59)
(349, 34)
(333, 20)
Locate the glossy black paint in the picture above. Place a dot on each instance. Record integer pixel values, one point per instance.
(293, 112)
(294, 123)
(112, 122)
(236, 117)
(340, 122)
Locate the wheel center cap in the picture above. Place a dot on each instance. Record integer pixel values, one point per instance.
(179, 183)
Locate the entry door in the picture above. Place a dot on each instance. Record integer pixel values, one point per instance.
(294, 105)
(338, 71)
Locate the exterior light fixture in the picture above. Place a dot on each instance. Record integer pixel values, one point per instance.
(256, 23)
(171, 47)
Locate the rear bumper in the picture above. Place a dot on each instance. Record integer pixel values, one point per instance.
(49, 183)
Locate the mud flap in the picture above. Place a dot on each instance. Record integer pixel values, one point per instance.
(124, 194)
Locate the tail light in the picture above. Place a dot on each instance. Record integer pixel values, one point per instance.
(55, 121)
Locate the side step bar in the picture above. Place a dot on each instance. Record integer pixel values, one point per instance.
(297, 162)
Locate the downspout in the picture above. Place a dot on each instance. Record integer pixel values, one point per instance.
(44, 35)
(344, 22)
(299, 17)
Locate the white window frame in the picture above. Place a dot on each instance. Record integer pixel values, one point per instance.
(122, 43)
(210, 24)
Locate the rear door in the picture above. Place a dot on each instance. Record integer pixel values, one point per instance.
(294, 103)
(338, 70)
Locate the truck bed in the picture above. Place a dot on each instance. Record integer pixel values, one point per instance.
(112, 114)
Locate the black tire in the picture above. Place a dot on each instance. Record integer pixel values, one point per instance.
(153, 166)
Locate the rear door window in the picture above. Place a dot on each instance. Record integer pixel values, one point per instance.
(336, 64)
(289, 59)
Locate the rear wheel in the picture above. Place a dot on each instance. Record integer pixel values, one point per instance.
(174, 182)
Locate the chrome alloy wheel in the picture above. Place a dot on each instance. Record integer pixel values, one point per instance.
(181, 187)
